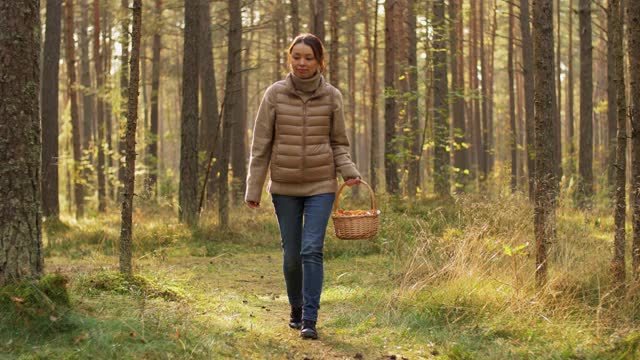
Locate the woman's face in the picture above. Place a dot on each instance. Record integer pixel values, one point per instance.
(303, 62)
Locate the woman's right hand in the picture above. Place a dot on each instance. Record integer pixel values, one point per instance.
(253, 204)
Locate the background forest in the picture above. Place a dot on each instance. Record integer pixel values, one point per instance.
(499, 137)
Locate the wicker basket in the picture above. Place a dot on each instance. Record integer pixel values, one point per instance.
(356, 227)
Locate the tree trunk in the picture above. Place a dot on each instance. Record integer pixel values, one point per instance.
(152, 138)
(78, 189)
(440, 101)
(239, 130)
(512, 104)
(413, 181)
(558, 98)
(99, 108)
(126, 229)
(615, 37)
(478, 153)
(633, 45)
(124, 82)
(372, 59)
(486, 148)
(460, 153)
(612, 111)
(88, 104)
(351, 73)
(295, 19)
(390, 108)
(209, 112)
(108, 107)
(334, 26)
(232, 107)
(188, 194)
(544, 92)
(571, 146)
(316, 23)
(20, 148)
(49, 111)
(585, 164)
(527, 69)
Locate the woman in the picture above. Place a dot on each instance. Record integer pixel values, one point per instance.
(300, 137)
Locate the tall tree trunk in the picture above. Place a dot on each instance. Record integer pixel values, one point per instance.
(413, 181)
(20, 148)
(295, 18)
(460, 153)
(188, 198)
(49, 111)
(239, 129)
(126, 229)
(78, 189)
(558, 101)
(372, 59)
(316, 23)
(615, 36)
(486, 147)
(527, 69)
(633, 46)
(390, 108)
(545, 182)
(88, 104)
(571, 146)
(108, 107)
(585, 164)
(152, 138)
(440, 101)
(351, 73)
(334, 26)
(209, 111)
(512, 104)
(490, 91)
(232, 106)
(124, 93)
(99, 108)
(478, 153)
(612, 110)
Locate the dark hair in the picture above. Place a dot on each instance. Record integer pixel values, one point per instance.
(314, 43)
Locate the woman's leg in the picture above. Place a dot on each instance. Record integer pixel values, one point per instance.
(289, 211)
(317, 209)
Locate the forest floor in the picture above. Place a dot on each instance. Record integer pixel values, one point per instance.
(210, 294)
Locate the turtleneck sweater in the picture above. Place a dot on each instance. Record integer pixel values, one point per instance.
(306, 87)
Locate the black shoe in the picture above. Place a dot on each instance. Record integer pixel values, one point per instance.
(295, 321)
(309, 330)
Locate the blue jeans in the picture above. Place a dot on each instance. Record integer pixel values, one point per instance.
(303, 222)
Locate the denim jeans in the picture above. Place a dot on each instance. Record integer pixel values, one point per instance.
(303, 222)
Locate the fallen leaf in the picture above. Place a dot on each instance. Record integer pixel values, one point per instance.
(80, 338)
(17, 300)
(53, 318)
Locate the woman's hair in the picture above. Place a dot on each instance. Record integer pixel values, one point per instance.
(314, 43)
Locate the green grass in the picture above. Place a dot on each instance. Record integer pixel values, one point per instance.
(444, 279)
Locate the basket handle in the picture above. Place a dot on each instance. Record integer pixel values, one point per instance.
(373, 196)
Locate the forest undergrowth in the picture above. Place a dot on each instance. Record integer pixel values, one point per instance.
(445, 278)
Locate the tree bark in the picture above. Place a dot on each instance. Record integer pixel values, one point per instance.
(124, 82)
(20, 148)
(571, 146)
(440, 101)
(334, 25)
(102, 207)
(544, 92)
(351, 73)
(527, 69)
(390, 108)
(88, 97)
(477, 146)
(512, 104)
(372, 59)
(585, 164)
(209, 111)
(413, 181)
(126, 229)
(49, 112)
(295, 18)
(633, 46)
(152, 138)
(316, 23)
(232, 106)
(615, 37)
(78, 189)
(486, 148)
(188, 197)
(460, 153)
(612, 110)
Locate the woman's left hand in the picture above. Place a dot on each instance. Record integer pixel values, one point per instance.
(354, 181)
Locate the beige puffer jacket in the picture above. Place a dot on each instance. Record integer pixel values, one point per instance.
(300, 137)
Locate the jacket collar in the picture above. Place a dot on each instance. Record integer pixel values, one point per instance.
(306, 88)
